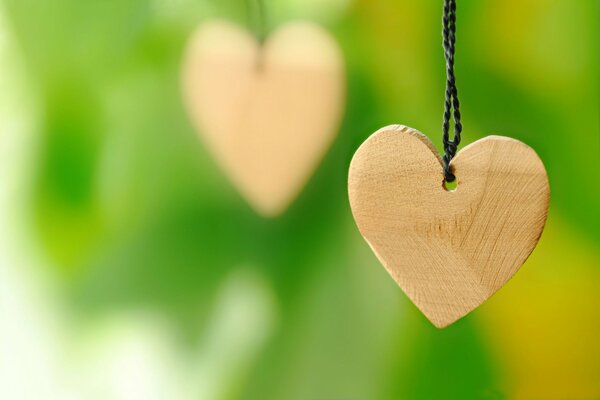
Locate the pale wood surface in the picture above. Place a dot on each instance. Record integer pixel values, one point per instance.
(268, 113)
(449, 251)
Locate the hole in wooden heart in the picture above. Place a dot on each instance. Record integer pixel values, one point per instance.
(450, 186)
(259, 64)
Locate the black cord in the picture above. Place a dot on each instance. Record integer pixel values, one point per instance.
(258, 18)
(451, 102)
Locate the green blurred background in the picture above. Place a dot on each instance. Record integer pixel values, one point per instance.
(131, 269)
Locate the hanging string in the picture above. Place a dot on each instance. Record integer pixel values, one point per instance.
(451, 103)
(258, 18)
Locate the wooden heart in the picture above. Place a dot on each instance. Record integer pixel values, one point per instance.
(268, 112)
(448, 250)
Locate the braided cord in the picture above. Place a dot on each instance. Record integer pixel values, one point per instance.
(451, 102)
(258, 19)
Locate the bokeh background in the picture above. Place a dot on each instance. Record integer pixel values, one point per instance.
(131, 269)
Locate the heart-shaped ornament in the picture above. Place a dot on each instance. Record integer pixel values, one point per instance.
(448, 250)
(269, 111)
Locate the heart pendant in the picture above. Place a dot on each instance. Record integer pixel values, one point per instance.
(267, 112)
(448, 250)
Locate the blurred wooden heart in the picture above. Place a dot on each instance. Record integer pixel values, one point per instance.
(268, 112)
(448, 250)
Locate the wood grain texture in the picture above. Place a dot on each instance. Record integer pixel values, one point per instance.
(448, 250)
(268, 113)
